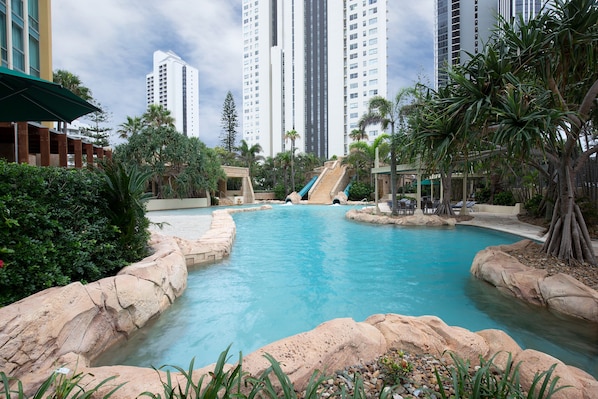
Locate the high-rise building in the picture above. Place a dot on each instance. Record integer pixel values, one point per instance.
(311, 66)
(463, 26)
(26, 37)
(175, 84)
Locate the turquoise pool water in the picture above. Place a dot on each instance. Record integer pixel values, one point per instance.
(294, 267)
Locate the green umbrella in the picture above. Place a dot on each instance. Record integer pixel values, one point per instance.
(27, 98)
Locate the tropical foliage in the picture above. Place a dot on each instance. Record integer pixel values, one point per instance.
(179, 166)
(531, 96)
(60, 226)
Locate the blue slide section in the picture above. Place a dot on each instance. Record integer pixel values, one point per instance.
(306, 188)
(347, 189)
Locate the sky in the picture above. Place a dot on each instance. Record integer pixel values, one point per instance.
(109, 44)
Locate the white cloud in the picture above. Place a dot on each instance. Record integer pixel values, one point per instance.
(109, 44)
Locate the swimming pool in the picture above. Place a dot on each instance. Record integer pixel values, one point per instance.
(294, 267)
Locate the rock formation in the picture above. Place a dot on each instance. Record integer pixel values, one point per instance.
(558, 292)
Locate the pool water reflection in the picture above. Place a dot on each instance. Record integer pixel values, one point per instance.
(294, 267)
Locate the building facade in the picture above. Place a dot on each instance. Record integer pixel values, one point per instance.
(26, 37)
(174, 84)
(311, 66)
(463, 26)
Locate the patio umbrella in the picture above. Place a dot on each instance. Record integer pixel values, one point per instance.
(27, 98)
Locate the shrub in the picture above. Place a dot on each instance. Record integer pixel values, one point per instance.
(532, 206)
(483, 195)
(279, 192)
(359, 191)
(504, 198)
(56, 229)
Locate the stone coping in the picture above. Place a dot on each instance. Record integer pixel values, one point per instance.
(69, 326)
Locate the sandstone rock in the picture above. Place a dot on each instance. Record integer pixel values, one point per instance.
(559, 292)
(412, 220)
(330, 346)
(500, 346)
(428, 334)
(580, 384)
(565, 294)
(43, 330)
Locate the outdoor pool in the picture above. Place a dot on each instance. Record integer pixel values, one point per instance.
(294, 267)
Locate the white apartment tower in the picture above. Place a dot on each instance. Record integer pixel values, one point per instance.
(312, 66)
(463, 26)
(175, 84)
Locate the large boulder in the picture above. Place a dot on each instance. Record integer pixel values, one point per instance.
(367, 216)
(76, 323)
(329, 347)
(558, 292)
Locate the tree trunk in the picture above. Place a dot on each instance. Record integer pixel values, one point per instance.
(568, 238)
(393, 178)
(445, 208)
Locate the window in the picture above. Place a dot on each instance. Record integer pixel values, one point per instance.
(353, 86)
(373, 51)
(352, 17)
(373, 1)
(352, 26)
(353, 66)
(373, 10)
(354, 95)
(353, 76)
(373, 31)
(353, 56)
(373, 21)
(353, 46)
(373, 41)
(353, 36)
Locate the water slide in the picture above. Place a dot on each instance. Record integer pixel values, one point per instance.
(306, 188)
(322, 192)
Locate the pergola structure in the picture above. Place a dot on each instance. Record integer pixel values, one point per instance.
(36, 144)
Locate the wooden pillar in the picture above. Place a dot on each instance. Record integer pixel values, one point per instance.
(108, 154)
(100, 153)
(89, 153)
(62, 150)
(44, 144)
(78, 146)
(23, 140)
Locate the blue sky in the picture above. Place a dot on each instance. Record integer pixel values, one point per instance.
(109, 44)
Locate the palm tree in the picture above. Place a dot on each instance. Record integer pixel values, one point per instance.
(132, 126)
(389, 113)
(157, 116)
(72, 82)
(292, 135)
(249, 155)
(284, 161)
(358, 135)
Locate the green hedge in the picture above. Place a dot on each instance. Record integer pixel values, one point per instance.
(56, 228)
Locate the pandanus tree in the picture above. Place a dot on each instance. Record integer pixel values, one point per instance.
(541, 104)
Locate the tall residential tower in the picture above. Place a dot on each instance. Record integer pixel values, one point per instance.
(312, 66)
(175, 85)
(463, 26)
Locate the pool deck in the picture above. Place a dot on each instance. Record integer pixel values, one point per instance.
(193, 227)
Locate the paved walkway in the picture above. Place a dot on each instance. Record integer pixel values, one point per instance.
(188, 227)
